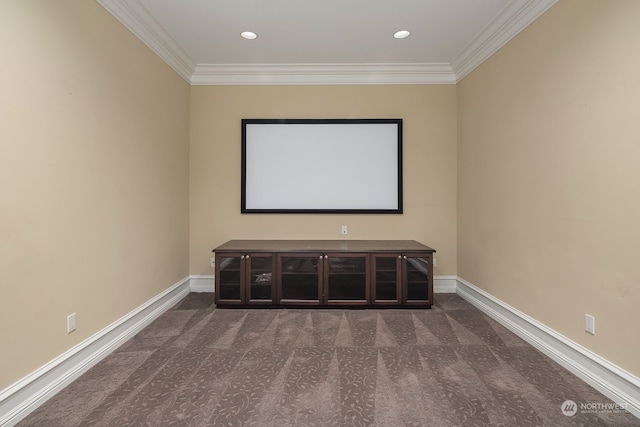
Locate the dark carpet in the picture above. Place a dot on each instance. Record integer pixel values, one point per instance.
(448, 366)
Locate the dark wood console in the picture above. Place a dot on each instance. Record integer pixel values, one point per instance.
(323, 273)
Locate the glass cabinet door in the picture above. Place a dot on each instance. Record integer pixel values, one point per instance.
(260, 270)
(229, 278)
(417, 279)
(346, 278)
(386, 275)
(300, 278)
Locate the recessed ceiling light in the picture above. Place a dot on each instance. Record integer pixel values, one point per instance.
(248, 35)
(402, 34)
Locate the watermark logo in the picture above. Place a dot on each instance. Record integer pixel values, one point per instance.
(569, 408)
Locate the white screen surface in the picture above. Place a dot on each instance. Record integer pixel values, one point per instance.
(322, 166)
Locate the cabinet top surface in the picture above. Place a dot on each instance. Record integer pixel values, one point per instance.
(323, 246)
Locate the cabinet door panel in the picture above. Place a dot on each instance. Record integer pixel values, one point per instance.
(346, 278)
(300, 278)
(261, 275)
(229, 276)
(418, 279)
(387, 284)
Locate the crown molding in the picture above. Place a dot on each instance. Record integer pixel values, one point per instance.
(512, 20)
(139, 21)
(322, 74)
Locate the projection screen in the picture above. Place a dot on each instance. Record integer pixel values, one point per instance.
(321, 166)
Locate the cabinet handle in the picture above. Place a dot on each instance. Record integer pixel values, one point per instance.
(326, 257)
(405, 257)
(320, 257)
(399, 256)
(241, 256)
(247, 257)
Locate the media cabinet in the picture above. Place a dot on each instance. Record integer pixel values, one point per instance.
(323, 273)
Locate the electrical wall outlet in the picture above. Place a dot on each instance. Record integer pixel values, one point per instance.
(213, 262)
(590, 324)
(71, 323)
(344, 229)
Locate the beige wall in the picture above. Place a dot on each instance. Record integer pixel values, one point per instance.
(104, 205)
(429, 145)
(548, 196)
(93, 177)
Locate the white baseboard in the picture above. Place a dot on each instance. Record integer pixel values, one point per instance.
(612, 381)
(20, 399)
(201, 283)
(441, 284)
(444, 284)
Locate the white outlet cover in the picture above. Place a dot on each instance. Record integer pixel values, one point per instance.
(590, 324)
(71, 323)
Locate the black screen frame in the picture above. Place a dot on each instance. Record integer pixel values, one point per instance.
(284, 210)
